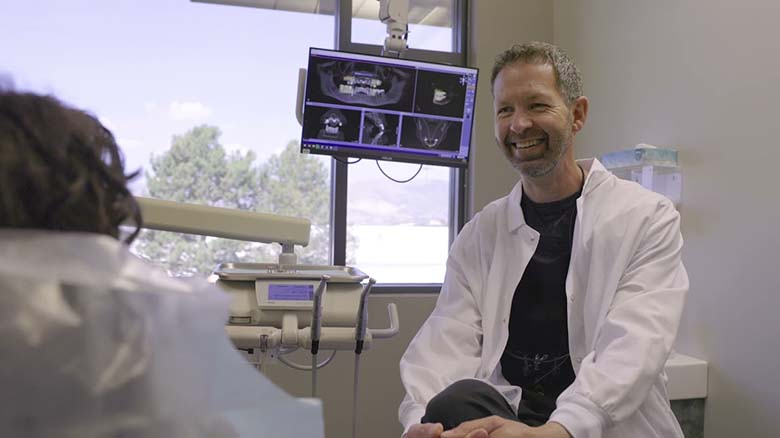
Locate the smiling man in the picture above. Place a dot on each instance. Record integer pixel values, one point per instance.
(561, 300)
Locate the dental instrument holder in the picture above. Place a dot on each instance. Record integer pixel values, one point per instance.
(267, 312)
(360, 335)
(269, 301)
(258, 321)
(283, 321)
(316, 326)
(362, 322)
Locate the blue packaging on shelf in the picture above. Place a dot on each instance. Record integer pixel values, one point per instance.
(642, 155)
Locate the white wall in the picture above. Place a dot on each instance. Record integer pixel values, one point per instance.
(494, 25)
(702, 76)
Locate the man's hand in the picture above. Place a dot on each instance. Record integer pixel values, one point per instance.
(497, 427)
(485, 427)
(425, 430)
(551, 430)
(481, 428)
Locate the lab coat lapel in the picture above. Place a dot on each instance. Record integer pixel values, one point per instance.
(514, 247)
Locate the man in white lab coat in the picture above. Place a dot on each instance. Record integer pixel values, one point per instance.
(94, 341)
(562, 300)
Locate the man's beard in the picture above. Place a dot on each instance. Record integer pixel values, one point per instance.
(557, 143)
(556, 147)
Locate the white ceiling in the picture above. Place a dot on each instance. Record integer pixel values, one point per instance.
(427, 12)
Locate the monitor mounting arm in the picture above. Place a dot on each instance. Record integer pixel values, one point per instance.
(394, 13)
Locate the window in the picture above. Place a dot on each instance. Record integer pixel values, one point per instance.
(403, 231)
(430, 24)
(202, 96)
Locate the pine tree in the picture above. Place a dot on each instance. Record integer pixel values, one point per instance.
(197, 169)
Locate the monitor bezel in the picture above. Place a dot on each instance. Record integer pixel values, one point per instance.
(357, 150)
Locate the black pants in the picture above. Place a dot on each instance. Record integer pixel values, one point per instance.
(472, 399)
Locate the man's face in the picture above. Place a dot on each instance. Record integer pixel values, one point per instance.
(533, 125)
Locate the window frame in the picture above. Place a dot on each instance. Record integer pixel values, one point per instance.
(339, 175)
(339, 169)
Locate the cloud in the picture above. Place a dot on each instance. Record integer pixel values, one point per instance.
(188, 110)
(151, 107)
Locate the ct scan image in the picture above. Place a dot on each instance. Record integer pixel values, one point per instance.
(331, 124)
(360, 83)
(380, 129)
(440, 94)
(430, 133)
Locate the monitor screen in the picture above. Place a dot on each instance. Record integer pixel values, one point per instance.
(390, 109)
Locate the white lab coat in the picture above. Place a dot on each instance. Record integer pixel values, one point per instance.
(626, 288)
(95, 342)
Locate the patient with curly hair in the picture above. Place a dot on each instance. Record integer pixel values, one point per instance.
(94, 341)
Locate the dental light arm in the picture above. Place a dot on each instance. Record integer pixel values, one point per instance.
(394, 13)
(227, 223)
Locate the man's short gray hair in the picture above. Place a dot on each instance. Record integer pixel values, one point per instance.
(567, 75)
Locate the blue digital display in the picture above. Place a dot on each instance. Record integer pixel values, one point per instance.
(290, 292)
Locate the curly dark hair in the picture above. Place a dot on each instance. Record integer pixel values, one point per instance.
(60, 169)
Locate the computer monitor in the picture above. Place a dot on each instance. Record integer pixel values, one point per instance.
(389, 109)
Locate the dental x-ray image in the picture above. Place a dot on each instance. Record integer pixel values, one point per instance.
(441, 94)
(430, 133)
(360, 84)
(331, 124)
(380, 129)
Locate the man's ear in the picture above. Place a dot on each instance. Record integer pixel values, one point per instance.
(579, 113)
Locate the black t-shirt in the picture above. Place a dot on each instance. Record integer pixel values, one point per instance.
(536, 357)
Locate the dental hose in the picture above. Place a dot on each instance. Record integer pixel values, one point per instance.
(355, 391)
(315, 346)
(316, 327)
(360, 335)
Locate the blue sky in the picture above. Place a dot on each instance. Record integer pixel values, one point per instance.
(152, 69)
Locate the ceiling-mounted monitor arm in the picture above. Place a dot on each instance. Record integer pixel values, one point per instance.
(394, 13)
